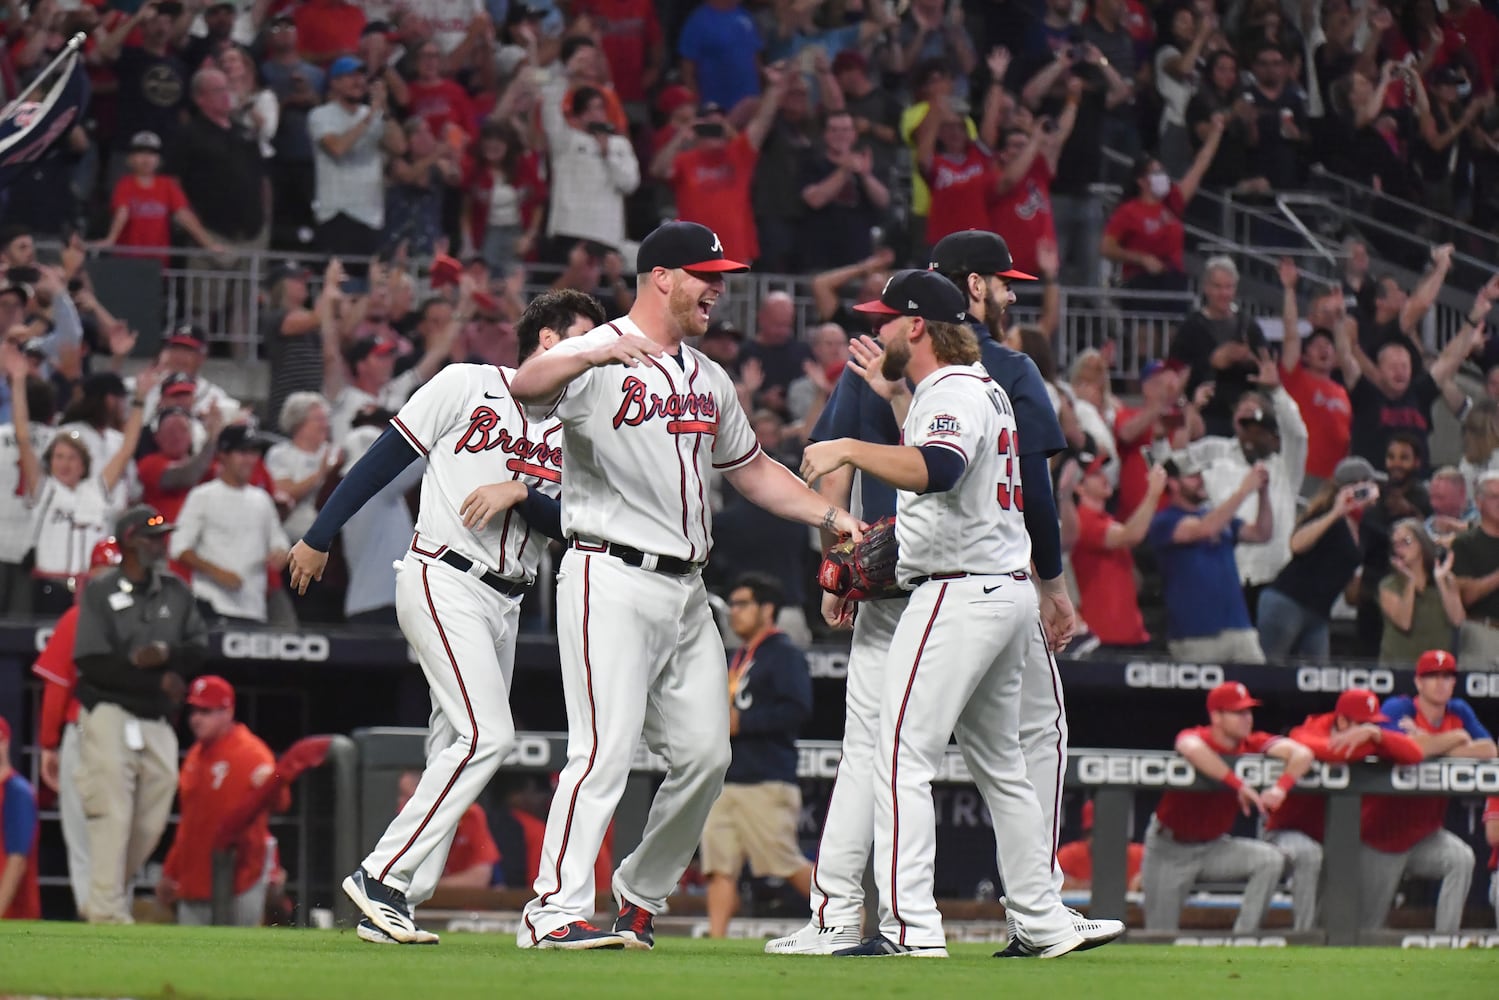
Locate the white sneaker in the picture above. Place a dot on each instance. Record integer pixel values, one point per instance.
(814, 940)
(1095, 933)
(1018, 949)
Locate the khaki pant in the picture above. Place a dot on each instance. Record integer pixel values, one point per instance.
(127, 797)
(755, 823)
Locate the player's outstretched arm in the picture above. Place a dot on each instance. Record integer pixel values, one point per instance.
(387, 458)
(768, 484)
(1213, 767)
(542, 379)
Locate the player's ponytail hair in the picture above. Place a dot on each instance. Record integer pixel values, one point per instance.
(953, 343)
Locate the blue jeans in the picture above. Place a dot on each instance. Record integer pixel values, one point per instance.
(1288, 629)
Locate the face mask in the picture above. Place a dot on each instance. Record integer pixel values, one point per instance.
(1160, 185)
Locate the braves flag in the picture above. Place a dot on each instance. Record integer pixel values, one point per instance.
(29, 127)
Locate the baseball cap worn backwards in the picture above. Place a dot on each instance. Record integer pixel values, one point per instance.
(923, 294)
(685, 245)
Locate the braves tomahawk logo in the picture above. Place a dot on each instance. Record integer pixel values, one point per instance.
(684, 412)
(531, 458)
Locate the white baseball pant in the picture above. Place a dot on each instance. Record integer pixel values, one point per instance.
(463, 632)
(74, 822)
(640, 653)
(955, 667)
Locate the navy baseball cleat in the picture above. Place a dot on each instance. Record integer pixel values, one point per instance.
(367, 931)
(635, 925)
(1019, 949)
(880, 946)
(580, 935)
(386, 908)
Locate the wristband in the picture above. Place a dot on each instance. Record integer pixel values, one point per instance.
(1233, 781)
(1286, 782)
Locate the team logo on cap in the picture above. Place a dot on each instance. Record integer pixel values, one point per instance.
(717, 246)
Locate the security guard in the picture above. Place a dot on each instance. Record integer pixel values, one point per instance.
(139, 635)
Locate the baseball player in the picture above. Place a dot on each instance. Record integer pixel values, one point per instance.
(638, 644)
(1351, 731)
(1407, 836)
(227, 768)
(980, 262)
(1188, 835)
(58, 733)
(458, 591)
(956, 660)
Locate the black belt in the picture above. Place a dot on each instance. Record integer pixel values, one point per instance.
(669, 565)
(491, 579)
(942, 577)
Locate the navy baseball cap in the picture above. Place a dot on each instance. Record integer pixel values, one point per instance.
(976, 251)
(190, 336)
(924, 294)
(241, 437)
(142, 519)
(685, 245)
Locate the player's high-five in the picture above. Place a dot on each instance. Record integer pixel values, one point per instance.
(956, 660)
(488, 497)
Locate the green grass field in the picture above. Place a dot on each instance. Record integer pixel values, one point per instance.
(57, 959)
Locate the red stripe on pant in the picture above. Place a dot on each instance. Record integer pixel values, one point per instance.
(472, 723)
(822, 908)
(895, 769)
(593, 723)
(1056, 693)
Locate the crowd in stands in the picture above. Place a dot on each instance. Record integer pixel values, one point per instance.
(443, 156)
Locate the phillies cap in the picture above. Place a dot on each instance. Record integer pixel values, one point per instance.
(975, 251)
(1436, 661)
(189, 335)
(1230, 696)
(179, 384)
(211, 692)
(924, 294)
(1360, 705)
(685, 245)
(1357, 470)
(106, 553)
(142, 519)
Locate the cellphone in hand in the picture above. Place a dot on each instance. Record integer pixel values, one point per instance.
(1368, 491)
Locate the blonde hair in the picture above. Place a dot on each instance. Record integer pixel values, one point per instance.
(953, 343)
(1481, 432)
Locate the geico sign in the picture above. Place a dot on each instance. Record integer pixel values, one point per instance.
(1341, 679)
(817, 763)
(1261, 772)
(530, 752)
(1481, 685)
(1173, 676)
(275, 646)
(1456, 776)
(1450, 941)
(1126, 769)
(827, 665)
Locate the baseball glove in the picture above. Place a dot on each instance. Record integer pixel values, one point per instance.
(863, 570)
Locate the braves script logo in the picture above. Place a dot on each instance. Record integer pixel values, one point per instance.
(532, 458)
(684, 412)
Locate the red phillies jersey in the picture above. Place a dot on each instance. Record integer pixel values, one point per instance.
(1106, 583)
(472, 844)
(1308, 813)
(216, 779)
(1395, 824)
(1198, 817)
(60, 676)
(149, 206)
(1076, 860)
(713, 187)
(1153, 227)
(19, 829)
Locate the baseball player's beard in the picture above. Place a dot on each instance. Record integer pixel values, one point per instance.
(994, 317)
(685, 312)
(895, 359)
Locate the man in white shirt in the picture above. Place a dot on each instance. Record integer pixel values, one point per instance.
(229, 534)
(349, 139)
(1268, 430)
(593, 169)
(371, 380)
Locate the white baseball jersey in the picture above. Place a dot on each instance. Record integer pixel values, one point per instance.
(66, 524)
(978, 526)
(640, 445)
(15, 505)
(474, 433)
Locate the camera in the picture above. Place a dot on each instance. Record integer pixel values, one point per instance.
(1442, 553)
(600, 128)
(708, 130)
